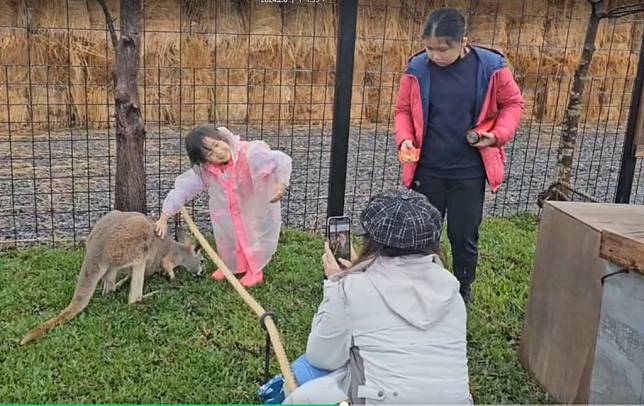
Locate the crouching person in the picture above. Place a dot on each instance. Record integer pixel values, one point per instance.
(391, 327)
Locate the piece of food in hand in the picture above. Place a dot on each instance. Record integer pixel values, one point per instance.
(409, 154)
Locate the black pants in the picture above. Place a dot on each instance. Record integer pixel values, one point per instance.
(462, 200)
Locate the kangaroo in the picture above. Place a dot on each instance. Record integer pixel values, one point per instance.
(122, 242)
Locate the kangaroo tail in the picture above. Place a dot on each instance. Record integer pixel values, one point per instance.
(87, 281)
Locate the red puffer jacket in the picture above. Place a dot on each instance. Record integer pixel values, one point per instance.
(500, 103)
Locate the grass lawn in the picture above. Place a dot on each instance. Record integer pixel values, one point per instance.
(197, 342)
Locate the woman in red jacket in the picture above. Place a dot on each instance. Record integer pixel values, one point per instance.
(448, 89)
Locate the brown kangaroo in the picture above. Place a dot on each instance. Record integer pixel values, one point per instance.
(122, 242)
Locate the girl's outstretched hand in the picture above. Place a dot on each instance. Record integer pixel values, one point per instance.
(161, 226)
(280, 190)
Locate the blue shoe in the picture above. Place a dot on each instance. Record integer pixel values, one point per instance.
(272, 392)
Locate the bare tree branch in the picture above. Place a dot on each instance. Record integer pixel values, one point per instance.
(110, 23)
(622, 11)
(626, 13)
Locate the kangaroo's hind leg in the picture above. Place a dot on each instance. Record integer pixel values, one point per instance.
(136, 282)
(110, 285)
(109, 281)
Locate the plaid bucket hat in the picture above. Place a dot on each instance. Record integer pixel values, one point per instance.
(402, 218)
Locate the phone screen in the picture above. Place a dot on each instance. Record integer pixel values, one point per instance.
(339, 236)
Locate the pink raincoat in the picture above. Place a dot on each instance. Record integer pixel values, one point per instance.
(245, 224)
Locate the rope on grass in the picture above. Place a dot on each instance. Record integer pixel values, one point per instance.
(250, 301)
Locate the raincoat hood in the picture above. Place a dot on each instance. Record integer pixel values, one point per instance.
(417, 288)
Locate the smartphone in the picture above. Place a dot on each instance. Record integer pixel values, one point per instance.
(339, 236)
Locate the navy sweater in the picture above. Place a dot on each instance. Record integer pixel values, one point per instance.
(452, 105)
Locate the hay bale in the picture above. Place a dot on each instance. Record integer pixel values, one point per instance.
(9, 15)
(15, 95)
(162, 47)
(48, 101)
(92, 105)
(230, 103)
(158, 105)
(194, 106)
(13, 43)
(314, 45)
(380, 38)
(489, 31)
(379, 102)
(204, 48)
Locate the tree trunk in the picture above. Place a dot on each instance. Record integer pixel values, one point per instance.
(130, 131)
(568, 139)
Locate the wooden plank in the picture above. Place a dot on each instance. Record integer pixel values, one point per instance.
(562, 315)
(620, 218)
(639, 128)
(622, 250)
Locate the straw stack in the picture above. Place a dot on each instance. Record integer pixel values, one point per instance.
(246, 61)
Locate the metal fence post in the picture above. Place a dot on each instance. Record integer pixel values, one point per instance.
(342, 106)
(627, 167)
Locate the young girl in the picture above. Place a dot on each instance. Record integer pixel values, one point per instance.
(245, 181)
(446, 90)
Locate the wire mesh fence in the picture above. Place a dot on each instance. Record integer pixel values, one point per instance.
(267, 71)
(543, 41)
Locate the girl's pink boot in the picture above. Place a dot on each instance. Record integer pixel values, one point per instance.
(218, 275)
(251, 279)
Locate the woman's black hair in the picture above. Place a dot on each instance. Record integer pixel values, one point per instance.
(445, 22)
(372, 250)
(194, 142)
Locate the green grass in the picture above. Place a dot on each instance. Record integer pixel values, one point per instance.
(197, 342)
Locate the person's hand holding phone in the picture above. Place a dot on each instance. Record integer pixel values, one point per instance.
(330, 264)
(339, 236)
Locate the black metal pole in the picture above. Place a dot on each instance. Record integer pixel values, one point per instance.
(627, 168)
(342, 106)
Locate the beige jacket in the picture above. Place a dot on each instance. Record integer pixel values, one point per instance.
(395, 332)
